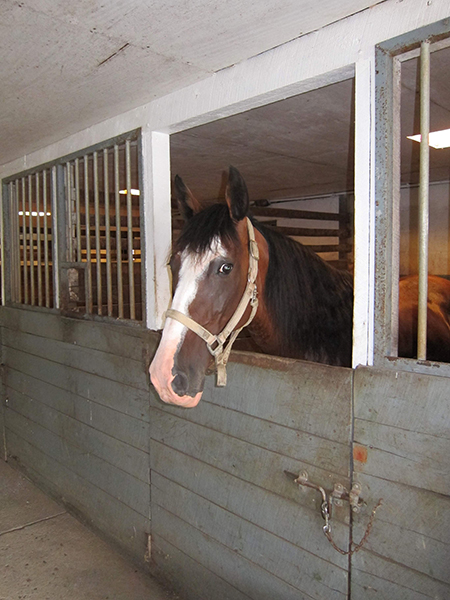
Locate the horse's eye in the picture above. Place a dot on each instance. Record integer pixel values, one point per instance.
(225, 269)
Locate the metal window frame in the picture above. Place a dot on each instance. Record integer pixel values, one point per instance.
(388, 58)
(15, 196)
(61, 239)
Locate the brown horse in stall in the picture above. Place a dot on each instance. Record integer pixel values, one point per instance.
(229, 271)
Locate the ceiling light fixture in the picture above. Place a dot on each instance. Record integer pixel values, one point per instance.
(133, 192)
(33, 213)
(437, 139)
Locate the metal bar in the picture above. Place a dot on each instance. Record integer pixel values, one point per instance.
(15, 244)
(98, 258)
(387, 193)
(118, 232)
(38, 239)
(87, 219)
(130, 230)
(77, 209)
(69, 212)
(305, 232)
(30, 205)
(12, 238)
(394, 263)
(24, 243)
(3, 251)
(424, 198)
(287, 213)
(6, 244)
(107, 233)
(12, 229)
(142, 231)
(45, 222)
(55, 240)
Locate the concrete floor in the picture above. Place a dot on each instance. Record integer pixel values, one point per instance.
(46, 554)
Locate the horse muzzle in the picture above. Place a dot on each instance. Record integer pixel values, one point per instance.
(176, 384)
(172, 390)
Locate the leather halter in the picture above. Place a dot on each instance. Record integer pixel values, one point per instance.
(216, 344)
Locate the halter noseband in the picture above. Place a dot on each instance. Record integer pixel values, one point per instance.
(216, 343)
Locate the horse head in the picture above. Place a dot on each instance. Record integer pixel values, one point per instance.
(210, 274)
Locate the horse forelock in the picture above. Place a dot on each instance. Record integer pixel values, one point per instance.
(206, 229)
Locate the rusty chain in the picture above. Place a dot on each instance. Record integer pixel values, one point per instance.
(302, 479)
(356, 547)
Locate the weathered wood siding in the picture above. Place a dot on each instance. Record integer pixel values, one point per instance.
(76, 416)
(207, 483)
(402, 441)
(226, 521)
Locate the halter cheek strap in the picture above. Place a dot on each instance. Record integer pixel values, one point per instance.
(218, 345)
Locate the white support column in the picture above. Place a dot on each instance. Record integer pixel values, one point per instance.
(156, 216)
(2, 249)
(364, 242)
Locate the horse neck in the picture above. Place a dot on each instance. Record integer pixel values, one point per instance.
(311, 316)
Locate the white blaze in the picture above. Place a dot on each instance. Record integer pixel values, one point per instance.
(193, 270)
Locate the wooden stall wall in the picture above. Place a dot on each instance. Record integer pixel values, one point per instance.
(226, 520)
(209, 485)
(76, 415)
(402, 429)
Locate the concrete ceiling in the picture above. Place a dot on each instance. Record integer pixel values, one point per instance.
(304, 146)
(298, 147)
(67, 65)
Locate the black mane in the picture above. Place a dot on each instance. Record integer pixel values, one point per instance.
(309, 301)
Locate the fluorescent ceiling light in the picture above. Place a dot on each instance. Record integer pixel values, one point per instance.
(33, 213)
(133, 192)
(437, 139)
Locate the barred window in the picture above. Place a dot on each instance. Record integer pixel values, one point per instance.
(31, 237)
(74, 233)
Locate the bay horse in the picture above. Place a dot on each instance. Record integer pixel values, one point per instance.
(229, 271)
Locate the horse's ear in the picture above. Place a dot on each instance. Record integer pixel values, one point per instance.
(187, 202)
(237, 195)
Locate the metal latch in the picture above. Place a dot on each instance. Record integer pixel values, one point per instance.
(340, 493)
(337, 497)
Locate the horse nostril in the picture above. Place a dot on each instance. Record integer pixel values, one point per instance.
(180, 384)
